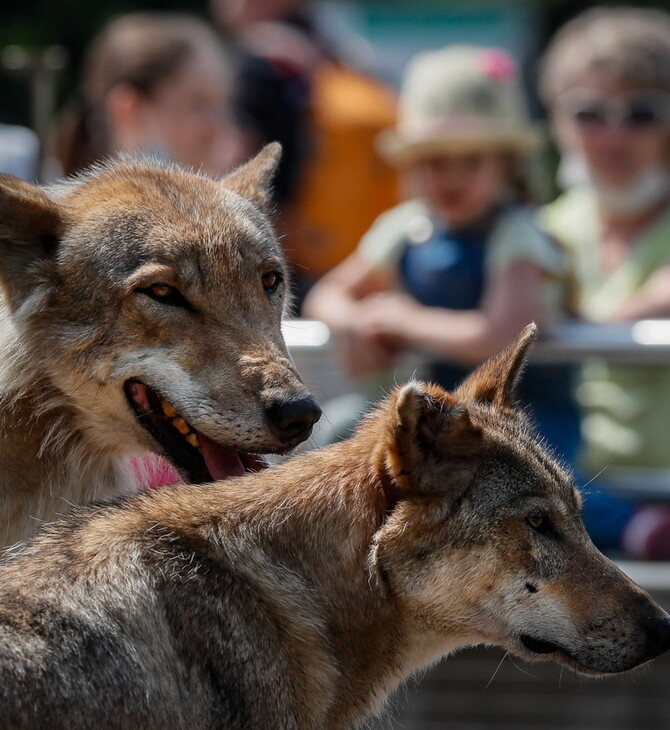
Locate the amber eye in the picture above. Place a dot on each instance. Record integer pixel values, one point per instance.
(164, 293)
(271, 281)
(539, 522)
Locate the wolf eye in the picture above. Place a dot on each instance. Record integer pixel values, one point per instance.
(164, 293)
(539, 522)
(271, 281)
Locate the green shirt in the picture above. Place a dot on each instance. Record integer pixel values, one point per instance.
(626, 409)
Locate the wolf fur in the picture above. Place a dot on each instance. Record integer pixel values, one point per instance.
(299, 597)
(138, 273)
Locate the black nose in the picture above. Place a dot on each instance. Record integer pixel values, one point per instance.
(658, 636)
(292, 420)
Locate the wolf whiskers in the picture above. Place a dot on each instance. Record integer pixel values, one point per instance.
(500, 663)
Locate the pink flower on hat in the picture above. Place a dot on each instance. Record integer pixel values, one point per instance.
(499, 65)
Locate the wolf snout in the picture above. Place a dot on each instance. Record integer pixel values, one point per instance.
(292, 420)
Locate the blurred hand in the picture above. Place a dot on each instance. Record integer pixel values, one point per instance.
(389, 317)
(377, 332)
(366, 355)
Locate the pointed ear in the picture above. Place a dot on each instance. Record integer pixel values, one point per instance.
(495, 380)
(431, 446)
(253, 180)
(30, 225)
(26, 211)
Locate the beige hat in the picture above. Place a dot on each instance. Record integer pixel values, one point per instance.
(458, 98)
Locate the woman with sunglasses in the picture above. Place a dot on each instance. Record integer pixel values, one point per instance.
(606, 81)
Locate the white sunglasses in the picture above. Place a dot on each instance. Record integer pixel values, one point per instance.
(636, 111)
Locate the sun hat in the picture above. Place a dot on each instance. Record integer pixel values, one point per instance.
(458, 98)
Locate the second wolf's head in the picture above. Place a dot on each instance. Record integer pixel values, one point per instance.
(484, 541)
(147, 300)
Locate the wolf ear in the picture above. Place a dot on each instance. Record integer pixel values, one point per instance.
(30, 225)
(432, 445)
(26, 211)
(495, 380)
(253, 179)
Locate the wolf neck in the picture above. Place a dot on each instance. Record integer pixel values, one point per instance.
(47, 461)
(356, 643)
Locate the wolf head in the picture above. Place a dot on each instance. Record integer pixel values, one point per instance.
(151, 299)
(484, 542)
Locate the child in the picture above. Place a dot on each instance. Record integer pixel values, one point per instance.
(460, 268)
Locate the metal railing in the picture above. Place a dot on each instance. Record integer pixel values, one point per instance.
(645, 342)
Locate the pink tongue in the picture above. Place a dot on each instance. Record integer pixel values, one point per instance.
(221, 462)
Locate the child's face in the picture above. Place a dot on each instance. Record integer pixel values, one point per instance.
(462, 187)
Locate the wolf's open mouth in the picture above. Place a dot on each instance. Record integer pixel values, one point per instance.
(203, 459)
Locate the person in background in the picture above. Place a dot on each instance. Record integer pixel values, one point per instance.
(157, 83)
(301, 84)
(459, 268)
(606, 82)
(272, 87)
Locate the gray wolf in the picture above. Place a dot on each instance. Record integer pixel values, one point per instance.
(140, 311)
(300, 596)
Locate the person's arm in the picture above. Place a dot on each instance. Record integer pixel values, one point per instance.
(511, 301)
(649, 302)
(334, 298)
(338, 298)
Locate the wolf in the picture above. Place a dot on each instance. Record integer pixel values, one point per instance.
(140, 311)
(300, 596)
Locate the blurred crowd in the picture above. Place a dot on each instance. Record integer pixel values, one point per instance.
(414, 220)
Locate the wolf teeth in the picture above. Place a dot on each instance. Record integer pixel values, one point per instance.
(181, 425)
(168, 409)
